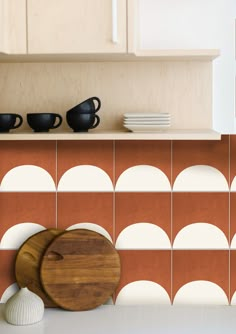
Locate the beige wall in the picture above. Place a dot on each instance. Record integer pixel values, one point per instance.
(180, 88)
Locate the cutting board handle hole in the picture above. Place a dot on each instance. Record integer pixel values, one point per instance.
(29, 257)
(54, 256)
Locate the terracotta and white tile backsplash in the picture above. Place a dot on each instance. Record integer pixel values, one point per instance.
(169, 207)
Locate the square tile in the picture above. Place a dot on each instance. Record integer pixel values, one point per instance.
(85, 152)
(16, 208)
(18, 153)
(150, 265)
(7, 269)
(201, 152)
(74, 208)
(201, 207)
(153, 208)
(206, 265)
(132, 153)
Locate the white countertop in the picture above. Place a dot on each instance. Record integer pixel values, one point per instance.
(132, 319)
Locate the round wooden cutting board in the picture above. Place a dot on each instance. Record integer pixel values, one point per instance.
(28, 260)
(80, 270)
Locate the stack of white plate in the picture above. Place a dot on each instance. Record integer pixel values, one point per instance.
(146, 122)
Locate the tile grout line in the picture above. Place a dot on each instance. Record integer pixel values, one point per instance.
(114, 193)
(113, 204)
(171, 220)
(229, 223)
(56, 215)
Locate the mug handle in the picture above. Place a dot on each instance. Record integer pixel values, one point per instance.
(59, 122)
(98, 101)
(96, 122)
(20, 121)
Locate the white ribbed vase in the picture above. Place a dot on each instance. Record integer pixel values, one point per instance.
(24, 308)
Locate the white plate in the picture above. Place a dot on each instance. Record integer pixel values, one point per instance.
(148, 114)
(146, 128)
(147, 123)
(148, 119)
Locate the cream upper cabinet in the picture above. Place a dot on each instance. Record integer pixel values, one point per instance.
(76, 26)
(192, 24)
(13, 26)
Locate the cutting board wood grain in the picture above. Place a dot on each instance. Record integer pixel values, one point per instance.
(80, 270)
(28, 260)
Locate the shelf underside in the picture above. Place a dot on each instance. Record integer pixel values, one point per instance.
(142, 55)
(173, 134)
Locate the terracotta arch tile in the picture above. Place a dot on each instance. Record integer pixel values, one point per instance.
(232, 215)
(152, 208)
(7, 269)
(201, 152)
(16, 208)
(151, 265)
(232, 272)
(190, 207)
(191, 265)
(232, 157)
(146, 152)
(16, 153)
(74, 208)
(85, 152)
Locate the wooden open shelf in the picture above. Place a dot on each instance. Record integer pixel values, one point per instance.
(142, 55)
(174, 134)
(181, 84)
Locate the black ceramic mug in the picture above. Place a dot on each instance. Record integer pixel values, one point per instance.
(91, 105)
(82, 122)
(43, 122)
(8, 122)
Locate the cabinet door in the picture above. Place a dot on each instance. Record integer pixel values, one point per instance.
(13, 26)
(76, 26)
(182, 24)
(2, 41)
(192, 24)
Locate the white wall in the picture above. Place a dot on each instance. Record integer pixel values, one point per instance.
(201, 24)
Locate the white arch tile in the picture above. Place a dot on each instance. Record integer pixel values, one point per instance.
(85, 178)
(143, 293)
(10, 291)
(233, 299)
(27, 178)
(17, 234)
(143, 236)
(233, 185)
(93, 227)
(143, 178)
(201, 178)
(200, 236)
(109, 301)
(199, 293)
(233, 242)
